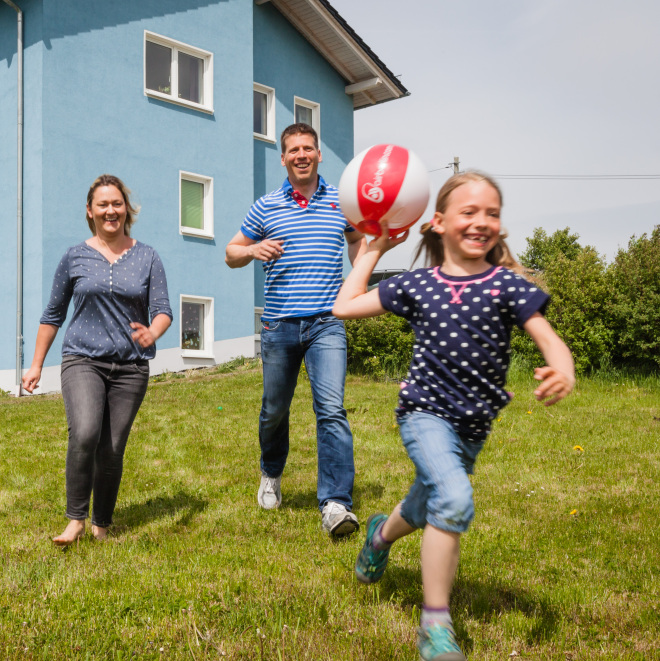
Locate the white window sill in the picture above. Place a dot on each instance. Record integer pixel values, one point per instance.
(264, 138)
(190, 353)
(179, 102)
(188, 231)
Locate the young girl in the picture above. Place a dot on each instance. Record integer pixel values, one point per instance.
(462, 308)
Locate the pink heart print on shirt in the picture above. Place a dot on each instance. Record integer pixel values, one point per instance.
(494, 292)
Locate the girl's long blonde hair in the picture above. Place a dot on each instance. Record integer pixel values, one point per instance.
(431, 244)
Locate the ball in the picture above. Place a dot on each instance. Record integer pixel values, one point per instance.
(384, 181)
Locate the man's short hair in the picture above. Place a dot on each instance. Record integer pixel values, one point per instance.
(296, 129)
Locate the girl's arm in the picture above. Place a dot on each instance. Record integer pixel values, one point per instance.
(558, 376)
(353, 300)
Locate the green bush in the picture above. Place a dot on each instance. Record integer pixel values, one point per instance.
(380, 347)
(580, 308)
(635, 292)
(580, 311)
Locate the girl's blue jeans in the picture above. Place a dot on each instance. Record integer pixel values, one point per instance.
(101, 399)
(320, 341)
(441, 494)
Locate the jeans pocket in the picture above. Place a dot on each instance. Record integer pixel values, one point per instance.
(141, 366)
(269, 326)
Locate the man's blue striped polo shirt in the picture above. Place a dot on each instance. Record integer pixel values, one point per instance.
(305, 280)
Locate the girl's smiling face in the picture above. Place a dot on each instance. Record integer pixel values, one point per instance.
(470, 225)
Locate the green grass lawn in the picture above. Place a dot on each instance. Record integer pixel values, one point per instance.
(562, 560)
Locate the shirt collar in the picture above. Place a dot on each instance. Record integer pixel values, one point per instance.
(288, 188)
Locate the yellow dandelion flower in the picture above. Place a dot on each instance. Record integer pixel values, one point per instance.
(578, 448)
(530, 413)
(573, 512)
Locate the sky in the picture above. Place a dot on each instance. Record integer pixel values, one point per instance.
(562, 87)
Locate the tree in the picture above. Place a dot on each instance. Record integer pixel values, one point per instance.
(543, 249)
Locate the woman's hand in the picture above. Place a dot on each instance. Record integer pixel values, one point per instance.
(142, 335)
(31, 379)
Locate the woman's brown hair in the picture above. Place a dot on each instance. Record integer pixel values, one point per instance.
(110, 180)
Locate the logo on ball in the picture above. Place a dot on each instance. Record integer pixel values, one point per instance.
(373, 193)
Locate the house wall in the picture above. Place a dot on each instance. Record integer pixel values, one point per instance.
(33, 53)
(89, 115)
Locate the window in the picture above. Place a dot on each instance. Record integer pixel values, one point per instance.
(264, 112)
(195, 205)
(178, 73)
(307, 112)
(196, 327)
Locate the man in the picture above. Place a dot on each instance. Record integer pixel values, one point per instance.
(298, 233)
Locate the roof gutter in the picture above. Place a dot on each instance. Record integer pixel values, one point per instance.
(19, 203)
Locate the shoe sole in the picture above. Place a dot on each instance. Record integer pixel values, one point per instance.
(346, 527)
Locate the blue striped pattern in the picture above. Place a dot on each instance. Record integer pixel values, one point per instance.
(305, 280)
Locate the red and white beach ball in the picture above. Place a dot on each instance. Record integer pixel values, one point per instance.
(384, 181)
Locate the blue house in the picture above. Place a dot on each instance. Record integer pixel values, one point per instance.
(184, 100)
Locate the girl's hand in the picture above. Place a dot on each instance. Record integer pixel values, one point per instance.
(384, 242)
(142, 335)
(554, 384)
(31, 379)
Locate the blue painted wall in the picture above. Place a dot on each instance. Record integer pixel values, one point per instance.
(95, 118)
(33, 197)
(285, 61)
(86, 113)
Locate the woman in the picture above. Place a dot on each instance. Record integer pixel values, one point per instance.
(117, 284)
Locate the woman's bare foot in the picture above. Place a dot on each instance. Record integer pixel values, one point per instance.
(73, 532)
(99, 533)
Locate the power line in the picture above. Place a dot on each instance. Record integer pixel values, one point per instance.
(578, 177)
(567, 177)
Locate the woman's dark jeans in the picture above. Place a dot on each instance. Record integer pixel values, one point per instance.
(101, 399)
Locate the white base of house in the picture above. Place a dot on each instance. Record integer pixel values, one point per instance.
(166, 360)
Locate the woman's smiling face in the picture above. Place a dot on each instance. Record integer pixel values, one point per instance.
(108, 212)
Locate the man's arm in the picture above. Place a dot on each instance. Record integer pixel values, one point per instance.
(357, 245)
(241, 250)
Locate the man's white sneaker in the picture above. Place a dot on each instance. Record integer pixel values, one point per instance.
(270, 492)
(337, 520)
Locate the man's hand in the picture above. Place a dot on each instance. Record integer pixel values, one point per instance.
(267, 250)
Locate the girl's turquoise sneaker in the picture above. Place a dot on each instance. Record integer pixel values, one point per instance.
(370, 564)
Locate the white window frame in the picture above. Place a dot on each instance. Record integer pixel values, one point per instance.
(269, 136)
(316, 112)
(207, 350)
(207, 231)
(177, 46)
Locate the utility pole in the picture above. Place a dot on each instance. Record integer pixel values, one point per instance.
(456, 163)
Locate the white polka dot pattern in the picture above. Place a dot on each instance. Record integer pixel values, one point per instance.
(462, 328)
(106, 299)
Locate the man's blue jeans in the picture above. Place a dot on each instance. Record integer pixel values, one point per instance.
(321, 341)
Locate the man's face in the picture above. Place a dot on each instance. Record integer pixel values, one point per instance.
(301, 159)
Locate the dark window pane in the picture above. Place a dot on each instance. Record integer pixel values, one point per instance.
(303, 114)
(191, 70)
(260, 113)
(159, 65)
(192, 326)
